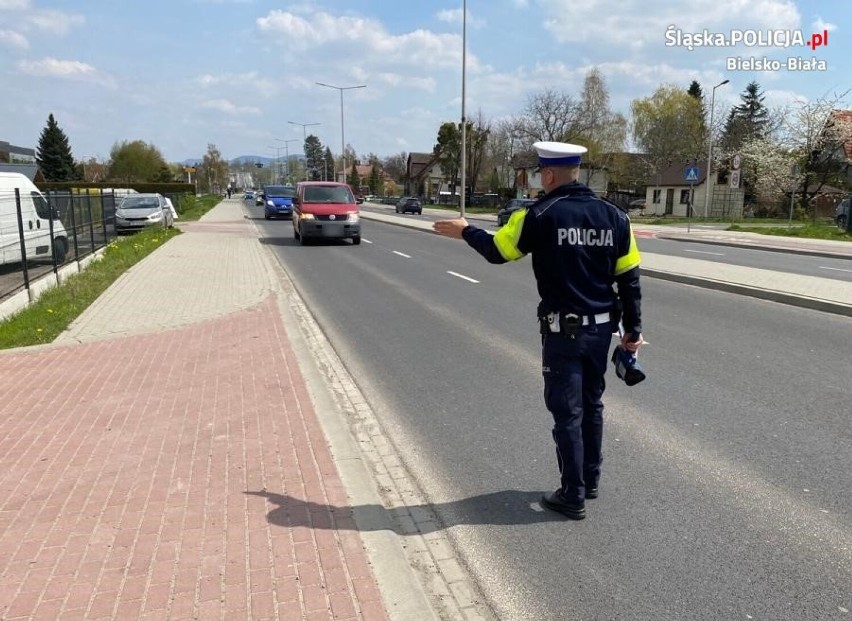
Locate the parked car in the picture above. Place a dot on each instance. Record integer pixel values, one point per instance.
(511, 207)
(259, 198)
(637, 204)
(279, 201)
(409, 203)
(248, 195)
(842, 213)
(139, 211)
(325, 209)
(37, 216)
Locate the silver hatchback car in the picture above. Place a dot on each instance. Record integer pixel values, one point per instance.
(139, 211)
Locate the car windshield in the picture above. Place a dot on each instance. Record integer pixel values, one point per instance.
(140, 202)
(280, 191)
(328, 194)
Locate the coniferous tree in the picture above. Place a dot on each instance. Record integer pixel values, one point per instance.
(375, 182)
(54, 153)
(329, 164)
(747, 121)
(354, 181)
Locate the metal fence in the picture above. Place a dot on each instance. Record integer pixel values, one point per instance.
(40, 234)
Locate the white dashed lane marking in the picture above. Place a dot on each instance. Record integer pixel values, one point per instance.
(836, 269)
(402, 254)
(715, 254)
(462, 276)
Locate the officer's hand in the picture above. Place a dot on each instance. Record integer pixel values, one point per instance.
(450, 228)
(629, 345)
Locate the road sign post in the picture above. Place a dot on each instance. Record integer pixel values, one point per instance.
(691, 174)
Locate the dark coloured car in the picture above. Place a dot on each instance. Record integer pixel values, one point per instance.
(249, 194)
(409, 204)
(511, 207)
(278, 201)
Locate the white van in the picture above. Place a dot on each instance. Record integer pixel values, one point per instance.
(36, 223)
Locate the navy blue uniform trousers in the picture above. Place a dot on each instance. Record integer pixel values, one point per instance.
(573, 370)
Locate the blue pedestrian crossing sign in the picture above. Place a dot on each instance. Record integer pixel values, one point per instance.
(691, 174)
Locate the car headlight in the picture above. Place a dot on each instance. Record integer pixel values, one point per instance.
(308, 216)
(352, 217)
(270, 204)
(156, 216)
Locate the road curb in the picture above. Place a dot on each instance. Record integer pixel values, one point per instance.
(754, 292)
(732, 244)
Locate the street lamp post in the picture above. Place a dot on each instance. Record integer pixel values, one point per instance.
(304, 140)
(463, 121)
(287, 155)
(710, 149)
(342, 138)
(277, 160)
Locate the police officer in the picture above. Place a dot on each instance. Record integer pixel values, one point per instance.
(581, 246)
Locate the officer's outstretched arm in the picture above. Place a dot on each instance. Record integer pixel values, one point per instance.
(504, 245)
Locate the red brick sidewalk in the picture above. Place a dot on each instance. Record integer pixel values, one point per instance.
(127, 472)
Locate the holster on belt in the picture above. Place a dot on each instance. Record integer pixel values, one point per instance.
(567, 324)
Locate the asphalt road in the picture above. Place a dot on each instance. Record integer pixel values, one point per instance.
(822, 267)
(725, 492)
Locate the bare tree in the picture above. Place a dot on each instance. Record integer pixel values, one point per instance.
(476, 141)
(596, 126)
(549, 115)
(394, 165)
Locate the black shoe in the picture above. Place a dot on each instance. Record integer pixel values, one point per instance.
(556, 502)
(591, 492)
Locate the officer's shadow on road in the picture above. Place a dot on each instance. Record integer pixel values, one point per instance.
(504, 508)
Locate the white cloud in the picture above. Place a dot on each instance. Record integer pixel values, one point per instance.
(454, 16)
(14, 40)
(367, 38)
(624, 21)
(819, 25)
(252, 78)
(407, 81)
(54, 22)
(65, 69)
(223, 105)
(14, 5)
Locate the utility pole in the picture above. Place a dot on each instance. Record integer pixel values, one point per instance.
(304, 140)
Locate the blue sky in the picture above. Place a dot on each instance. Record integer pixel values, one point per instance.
(180, 74)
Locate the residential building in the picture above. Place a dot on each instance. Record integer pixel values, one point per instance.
(424, 176)
(11, 154)
(528, 177)
(671, 194)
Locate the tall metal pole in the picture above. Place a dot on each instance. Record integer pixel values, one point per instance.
(342, 136)
(463, 121)
(710, 149)
(305, 140)
(287, 155)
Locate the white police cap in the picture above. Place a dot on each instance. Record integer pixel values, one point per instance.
(559, 153)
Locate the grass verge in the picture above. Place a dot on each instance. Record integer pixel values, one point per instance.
(192, 207)
(46, 318)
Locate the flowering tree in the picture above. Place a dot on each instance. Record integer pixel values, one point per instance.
(816, 133)
(767, 169)
(812, 136)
